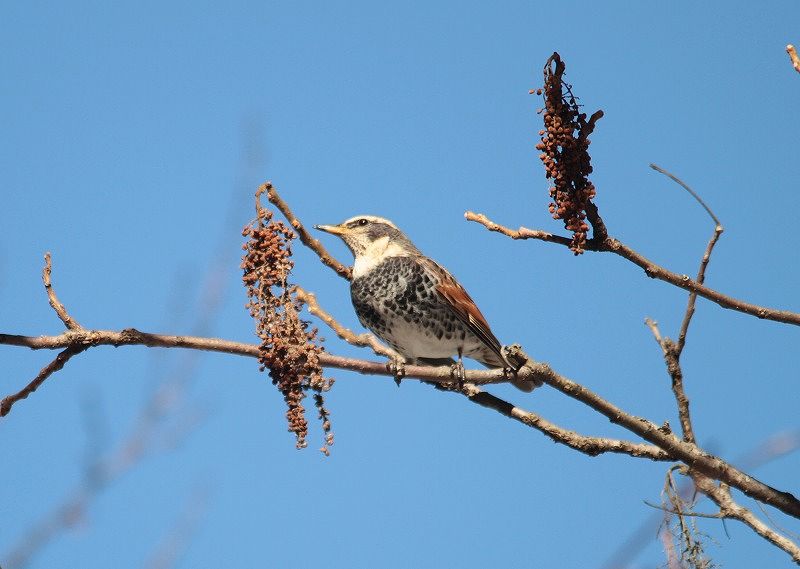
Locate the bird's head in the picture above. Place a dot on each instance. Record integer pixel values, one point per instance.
(371, 239)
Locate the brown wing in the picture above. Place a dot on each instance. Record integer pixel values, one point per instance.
(463, 306)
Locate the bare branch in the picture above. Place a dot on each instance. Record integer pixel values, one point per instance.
(60, 360)
(672, 350)
(672, 360)
(132, 337)
(691, 551)
(701, 273)
(774, 447)
(68, 320)
(790, 49)
(305, 237)
(148, 435)
(653, 325)
(687, 453)
(521, 233)
(611, 245)
(591, 446)
(364, 340)
(534, 371)
(721, 496)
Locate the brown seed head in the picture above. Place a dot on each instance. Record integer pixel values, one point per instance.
(564, 152)
(289, 348)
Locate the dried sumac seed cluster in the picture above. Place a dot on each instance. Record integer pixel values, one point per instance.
(564, 150)
(289, 348)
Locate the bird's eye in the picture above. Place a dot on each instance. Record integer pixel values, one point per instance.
(362, 222)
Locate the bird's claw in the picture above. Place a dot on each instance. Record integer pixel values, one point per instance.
(397, 367)
(459, 374)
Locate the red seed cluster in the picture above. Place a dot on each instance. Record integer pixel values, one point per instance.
(565, 152)
(289, 349)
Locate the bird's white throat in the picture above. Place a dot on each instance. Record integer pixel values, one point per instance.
(375, 253)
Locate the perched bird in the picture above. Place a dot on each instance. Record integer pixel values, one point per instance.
(411, 302)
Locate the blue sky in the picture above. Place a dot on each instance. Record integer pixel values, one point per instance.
(134, 137)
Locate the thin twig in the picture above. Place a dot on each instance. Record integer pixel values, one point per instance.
(774, 447)
(686, 187)
(305, 237)
(591, 446)
(681, 512)
(672, 361)
(677, 503)
(60, 360)
(790, 49)
(68, 320)
(652, 270)
(653, 325)
(673, 350)
(701, 273)
(129, 451)
(364, 340)
(791, 534)
(721, 496)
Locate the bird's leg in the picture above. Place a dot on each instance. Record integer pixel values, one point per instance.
(457, 370)
(397, 367)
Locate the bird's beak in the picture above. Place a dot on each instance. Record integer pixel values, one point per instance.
(334, 229)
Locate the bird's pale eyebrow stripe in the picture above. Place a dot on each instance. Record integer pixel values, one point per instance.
(373, 218)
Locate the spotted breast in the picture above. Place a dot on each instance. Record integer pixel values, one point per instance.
(399, 300)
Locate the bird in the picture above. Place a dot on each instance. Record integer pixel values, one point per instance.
(411, 302)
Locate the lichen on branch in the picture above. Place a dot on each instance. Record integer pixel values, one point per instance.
(289, 348)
